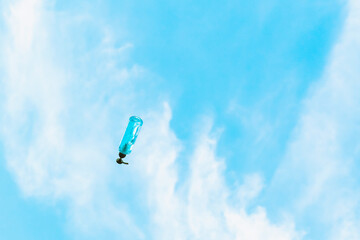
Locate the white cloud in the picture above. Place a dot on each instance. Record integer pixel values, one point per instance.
(321, 164)
(47, 159)
(200, 208)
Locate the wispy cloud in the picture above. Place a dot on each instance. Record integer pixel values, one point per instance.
(42, 110)
(203, 207)
(319, 172)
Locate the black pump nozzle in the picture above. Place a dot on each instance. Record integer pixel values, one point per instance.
(119, 160)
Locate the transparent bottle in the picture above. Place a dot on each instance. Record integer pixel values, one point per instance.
(131, 133)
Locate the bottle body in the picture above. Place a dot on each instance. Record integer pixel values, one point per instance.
(131, 133)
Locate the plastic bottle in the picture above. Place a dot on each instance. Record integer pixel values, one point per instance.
(131, 133)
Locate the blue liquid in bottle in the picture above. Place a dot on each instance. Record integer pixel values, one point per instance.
(131, 133)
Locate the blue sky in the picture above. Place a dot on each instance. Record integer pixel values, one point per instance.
(250, 108)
